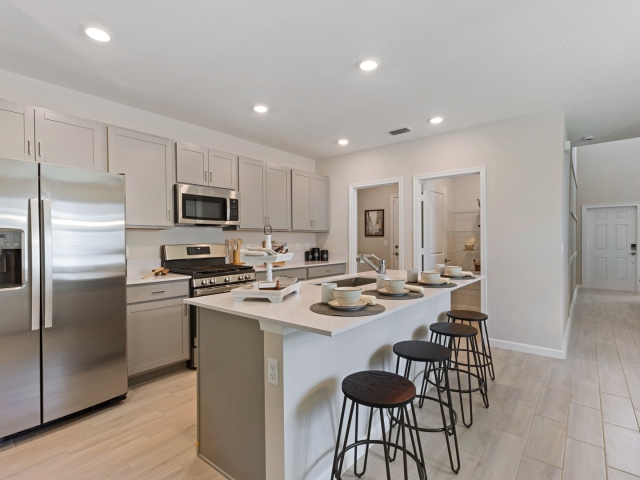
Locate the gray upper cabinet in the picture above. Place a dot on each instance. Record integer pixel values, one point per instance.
(202, 166)
(147, 162)
(252, 183)
(16, 131)
(192, 164)
(278, 197)
(310, 201)
(301, 200)
(68, 141)
(223, 170)
(320, 203)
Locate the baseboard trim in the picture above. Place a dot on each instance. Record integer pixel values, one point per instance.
(526, 348)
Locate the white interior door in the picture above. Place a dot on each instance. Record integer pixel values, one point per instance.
(395, 232)
(611, 261)
(434, 223)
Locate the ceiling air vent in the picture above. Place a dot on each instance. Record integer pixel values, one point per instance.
(400, 131)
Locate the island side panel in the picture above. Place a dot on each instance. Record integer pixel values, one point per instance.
(274, 409)
(314, 367)
(231, 402)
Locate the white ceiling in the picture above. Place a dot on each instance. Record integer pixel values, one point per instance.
(208, 61)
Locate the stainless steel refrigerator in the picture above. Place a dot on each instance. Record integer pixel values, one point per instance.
(62, 292)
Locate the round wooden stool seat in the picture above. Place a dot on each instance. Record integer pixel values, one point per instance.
(453, 329)
(421, 351)
(467, 315)
(377, 389)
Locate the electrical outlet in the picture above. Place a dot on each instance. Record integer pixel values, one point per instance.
(386, 244)
(297, 247)
(272, 371)
(307, 246)
(248, 245)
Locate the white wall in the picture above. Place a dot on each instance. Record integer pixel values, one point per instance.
(524, 161)
(607, 173)
(465, 193)
(375, 198)
(146, 243)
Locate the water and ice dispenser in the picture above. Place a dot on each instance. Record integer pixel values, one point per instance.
(11, 258)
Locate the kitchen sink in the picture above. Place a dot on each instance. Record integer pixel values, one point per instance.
(355, 281)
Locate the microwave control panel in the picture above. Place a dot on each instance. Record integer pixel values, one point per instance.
(233, 209)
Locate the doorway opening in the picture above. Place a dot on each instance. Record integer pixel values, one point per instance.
(609, 253)
(375, 224)
(450, 229)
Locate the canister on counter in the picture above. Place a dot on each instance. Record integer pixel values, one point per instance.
(315, 254)
(324, 255)
(307, 256)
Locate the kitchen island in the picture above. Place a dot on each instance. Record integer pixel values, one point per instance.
(249, 428)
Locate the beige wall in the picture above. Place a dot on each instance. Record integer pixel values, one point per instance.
(375, 198)
(465, 193)
(524, 162)
(607, 173)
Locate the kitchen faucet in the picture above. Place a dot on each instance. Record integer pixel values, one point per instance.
(381, 268)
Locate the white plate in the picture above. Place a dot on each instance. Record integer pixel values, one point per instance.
(348, 308)
(384, 291)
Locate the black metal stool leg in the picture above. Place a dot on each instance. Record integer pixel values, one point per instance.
(492, 372)
(444, 420)
(385, 446)
(482, 377)
(346, 438)
(335, 455)
(415, 422)
(366, 453)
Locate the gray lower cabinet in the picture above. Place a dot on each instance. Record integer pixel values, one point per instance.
(157, 330)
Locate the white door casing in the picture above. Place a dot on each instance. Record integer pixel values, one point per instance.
(434, 225)
(395, 232)
(611, 263)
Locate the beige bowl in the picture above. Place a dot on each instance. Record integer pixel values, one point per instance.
(453, 271)
(347, 296)
(439, 268)
(394, 285)
(430, 277)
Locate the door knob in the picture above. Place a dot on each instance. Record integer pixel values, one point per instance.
(396, 246)
(396, 254)
(633, 253)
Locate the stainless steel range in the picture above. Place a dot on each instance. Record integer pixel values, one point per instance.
(210, 274)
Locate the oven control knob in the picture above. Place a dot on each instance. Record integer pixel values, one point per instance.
(204, 282)
(212, 281)
(227, 279)
(241, 277)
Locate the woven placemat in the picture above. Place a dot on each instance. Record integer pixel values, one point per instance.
(408, 296)
(324, 309)
(442, 285)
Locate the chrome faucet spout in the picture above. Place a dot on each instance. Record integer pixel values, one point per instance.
(381, 268)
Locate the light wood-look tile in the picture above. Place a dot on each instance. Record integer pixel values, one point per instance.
(546, 441)
(501, 457)
(613, 474)
(517, 417)
(609, 365)
(528, 388)
(553, 404)
(634, 392)
(618, 411)
(441, 470)
(586, 371)
(622, 447)
(583, 461)
(585, 393)
(558, 379)
(585, 424)
(473, 440)
(629, 358)
(536, 368)
(614, 384)
(606, 349)
(508, 375)
(531, 469)
(632, 373)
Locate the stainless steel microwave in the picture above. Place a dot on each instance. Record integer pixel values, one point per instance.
(195, 205)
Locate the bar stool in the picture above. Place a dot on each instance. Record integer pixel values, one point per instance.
(382, 391)
(468, 316)
(436, 359)
(452, 334)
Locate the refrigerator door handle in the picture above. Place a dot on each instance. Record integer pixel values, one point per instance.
(48, 266)
(34, 233)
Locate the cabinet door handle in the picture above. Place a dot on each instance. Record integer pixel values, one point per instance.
(28, 147)
(205, 175)
(185, 309)
(210, 175)
(39, 149)
(158, 292)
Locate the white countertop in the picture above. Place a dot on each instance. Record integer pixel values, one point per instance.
(294, 311)
(169, 277)
(297, 264)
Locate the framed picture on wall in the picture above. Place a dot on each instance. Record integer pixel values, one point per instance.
(374, 223)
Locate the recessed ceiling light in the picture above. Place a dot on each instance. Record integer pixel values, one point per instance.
(343, 141)
(436, 120)
(98, 34)
(260, 109)
(369, 64)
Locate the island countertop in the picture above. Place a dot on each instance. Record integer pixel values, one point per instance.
(294, 311)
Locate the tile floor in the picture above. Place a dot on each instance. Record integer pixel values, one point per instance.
(574, 419)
